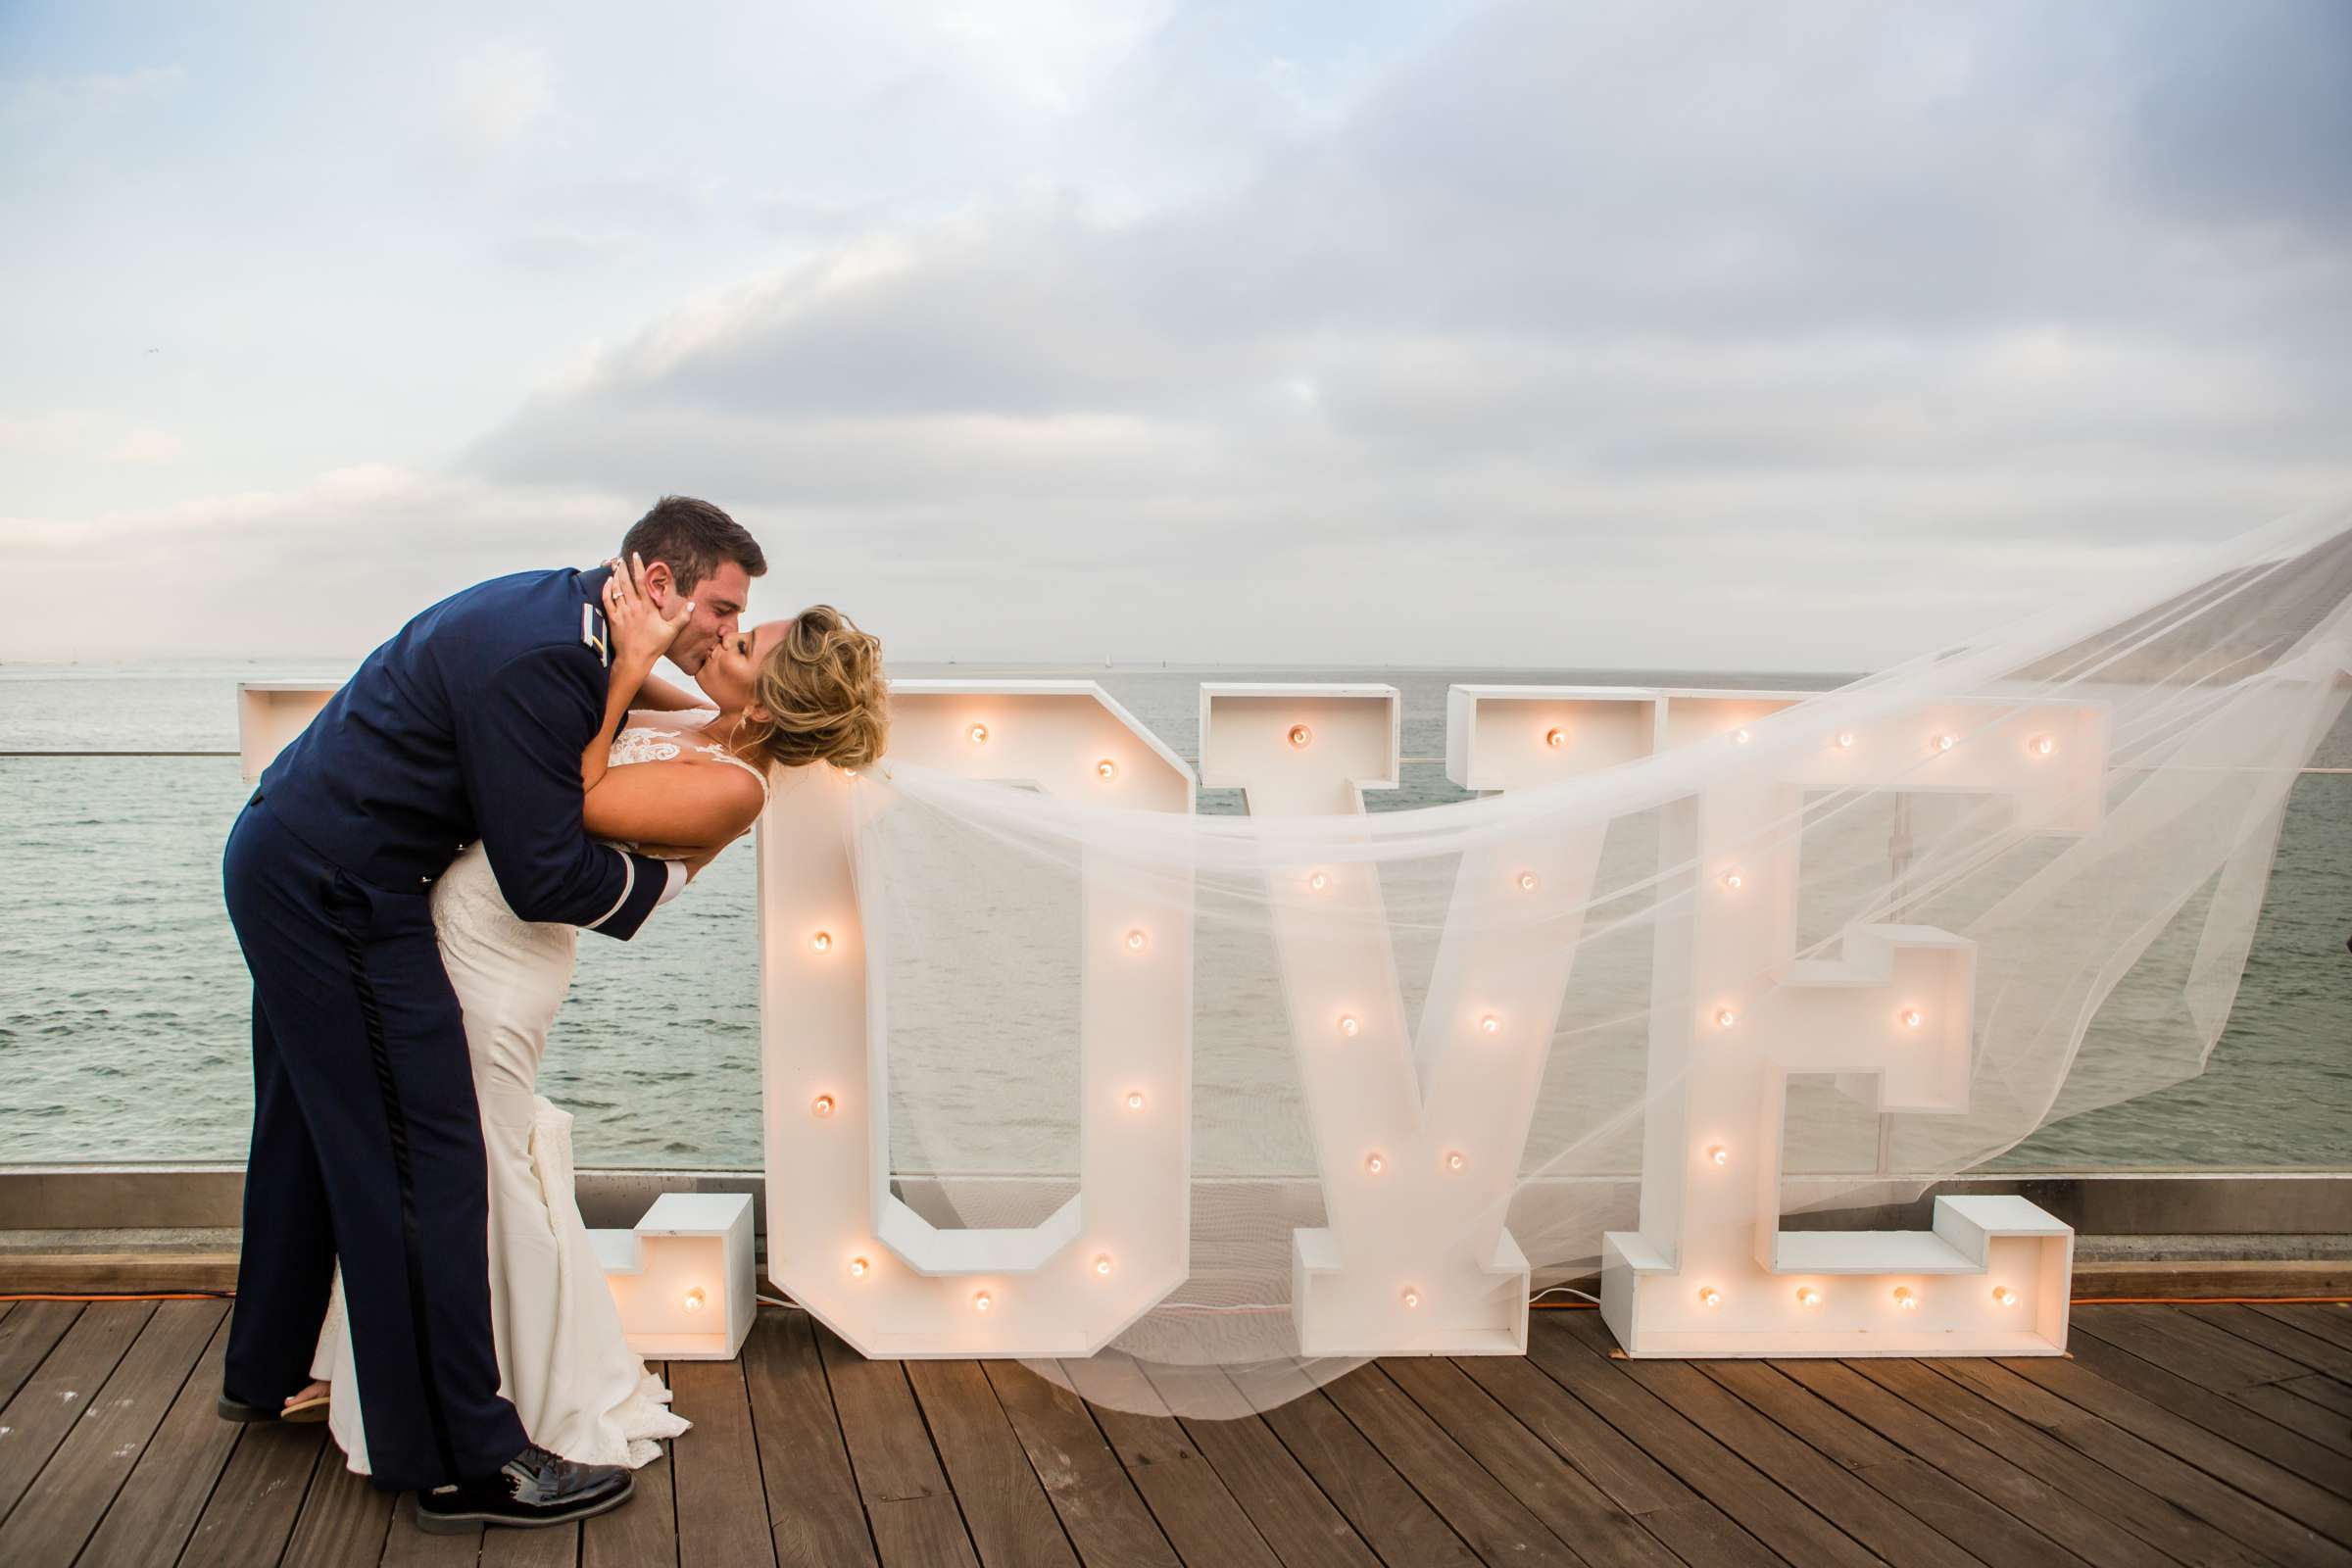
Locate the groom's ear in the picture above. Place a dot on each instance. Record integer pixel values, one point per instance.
(660, 583)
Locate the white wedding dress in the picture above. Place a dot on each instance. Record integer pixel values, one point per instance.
(562, 1359)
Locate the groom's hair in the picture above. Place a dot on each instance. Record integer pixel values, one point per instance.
(695, 537)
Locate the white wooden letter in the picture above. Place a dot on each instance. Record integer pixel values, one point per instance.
(1711, 1272)
(845, 1247)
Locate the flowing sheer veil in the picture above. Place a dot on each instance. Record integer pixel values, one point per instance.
(2107, 961)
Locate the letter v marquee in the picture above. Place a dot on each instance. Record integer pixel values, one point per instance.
(1417, 1131)
(1710, 1272)
(840, 1242)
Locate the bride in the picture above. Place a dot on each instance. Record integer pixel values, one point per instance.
(680, 785)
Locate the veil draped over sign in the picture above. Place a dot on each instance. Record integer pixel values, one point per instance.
(2091, 799)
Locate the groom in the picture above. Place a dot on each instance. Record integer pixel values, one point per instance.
(367, 1145)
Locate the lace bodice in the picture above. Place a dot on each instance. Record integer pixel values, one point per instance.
(648, 738)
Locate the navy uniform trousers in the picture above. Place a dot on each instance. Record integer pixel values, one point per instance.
(367, 1144)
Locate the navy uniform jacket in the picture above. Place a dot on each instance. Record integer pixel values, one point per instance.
(468, 724)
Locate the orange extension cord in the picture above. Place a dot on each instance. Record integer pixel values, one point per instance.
(1539, 1306)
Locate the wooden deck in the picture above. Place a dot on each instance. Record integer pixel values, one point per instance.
(2217, 1433)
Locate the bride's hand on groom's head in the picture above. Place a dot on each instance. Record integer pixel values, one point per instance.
(641, 634)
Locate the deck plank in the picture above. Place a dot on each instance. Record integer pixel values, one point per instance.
(2214, 1358)
(2214, 1434)
(252, 1511)
(2280, 1337)
(26, 1337)
(722, 1497)
(60, 1390)
(1942, 1502)
(344, 1518)
(406, 1547)
(2160, 1384)
(914, 1517)
(1013, 1525)
(2322, 1391)
(2186, 1440)
(2329, 1320)
(2243, 1519)
(1694, 1529)
(1703, 1464)
(151, 1517)
(1396, 1521)
(1496, 1524)
(1103, 1515)
(553, 1546)
(2163, 1528)
(1189, 1500)
(812, 1508)
(1872, 1517)
(66, 1501)
(1301, 1524)
(1556, 1491)
(1985, 1470)
(642, 1532)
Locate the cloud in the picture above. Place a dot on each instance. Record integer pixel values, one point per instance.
(147, 446)
(30, 99)
(1055, 53)
(497, 92)
(330, 567)
(1618, 333)
(56, 434)
(1752, 310)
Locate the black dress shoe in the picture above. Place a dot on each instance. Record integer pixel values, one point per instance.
(238, 1410)
(534, 1488)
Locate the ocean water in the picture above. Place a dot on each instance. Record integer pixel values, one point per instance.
(123, 1002)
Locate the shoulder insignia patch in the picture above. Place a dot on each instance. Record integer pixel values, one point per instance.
(592, 632)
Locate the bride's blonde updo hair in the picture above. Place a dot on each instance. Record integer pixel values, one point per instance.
(823, 690)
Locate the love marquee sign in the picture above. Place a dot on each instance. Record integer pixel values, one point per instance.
(1414, 1254)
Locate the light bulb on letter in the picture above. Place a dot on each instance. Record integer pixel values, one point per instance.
(1300, 736)
(2044, 745)
(1412, 1298)
(1906, 1297)
(822, 942)
(1913, 1018)
(2004, 1295)
(1319, 881)
(1734, 881)
(822, 1106)
(1102, 1264)
(1374, 1163)
(1135, 941)
(1489, 1025)
(1526, 881)
(1135, 1100)
(982, 1301)
(1726, 1018)
(1846, 740)
(1719, 1155)
(1555, 738)
(1808, 1296)
(1741, 737)
(1945, 743)
(693, 1300)
(978, 734)
(1106, 769)
(860, 1268)
(1709, 1296)
(1455, 1161)
(1348, 1026)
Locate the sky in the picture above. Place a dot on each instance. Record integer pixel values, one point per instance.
(1677, 333)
